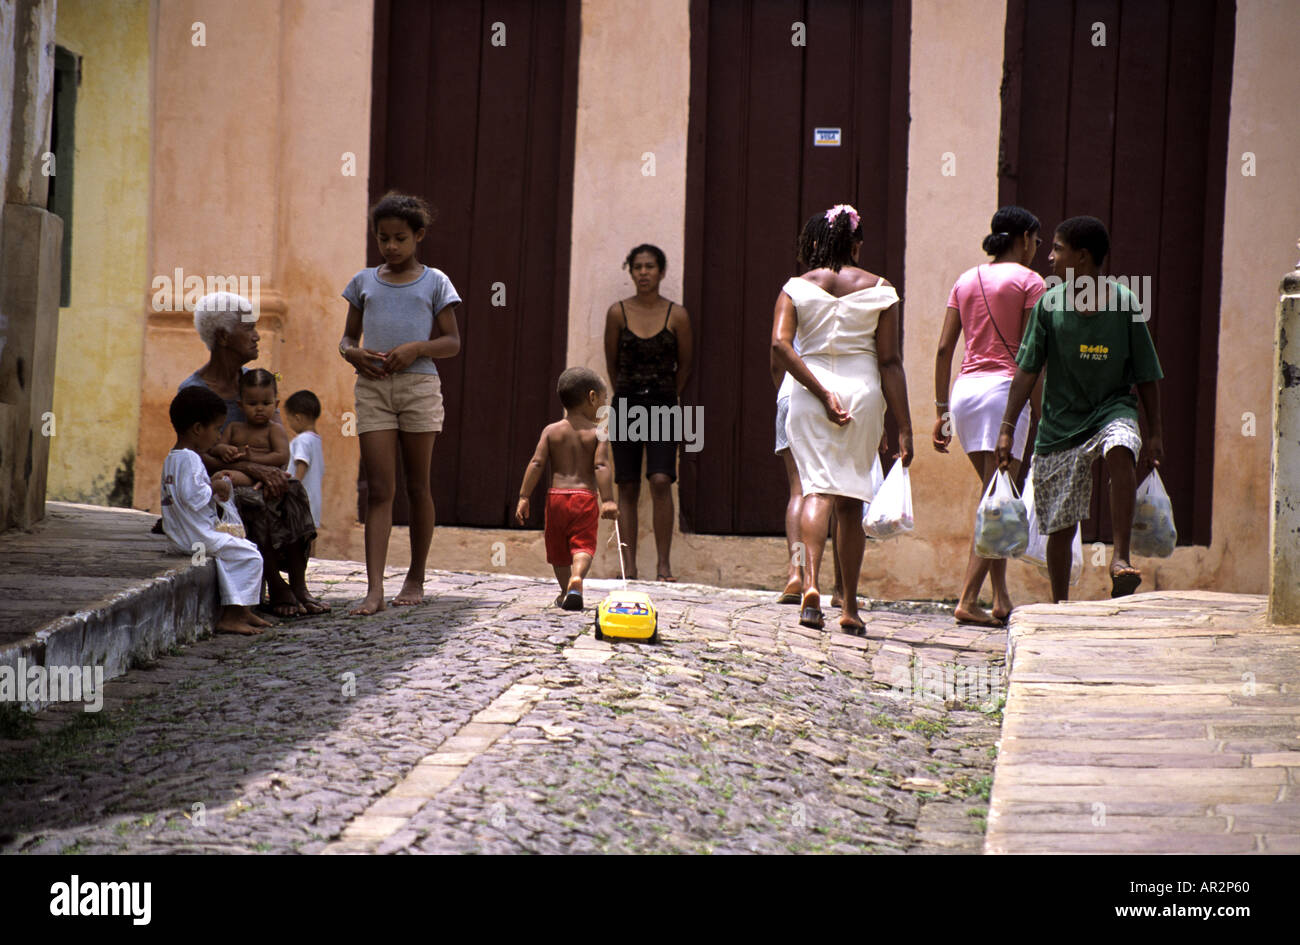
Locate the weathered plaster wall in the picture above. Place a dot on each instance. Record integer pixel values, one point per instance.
(97, 382)
(259, 190)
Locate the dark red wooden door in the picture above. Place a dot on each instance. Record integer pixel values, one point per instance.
(753, 177)
(1134, 132)
(474, 109)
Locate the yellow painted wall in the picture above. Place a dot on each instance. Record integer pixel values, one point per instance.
(99, 356)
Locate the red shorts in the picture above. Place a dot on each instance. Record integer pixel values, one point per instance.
(572, 520)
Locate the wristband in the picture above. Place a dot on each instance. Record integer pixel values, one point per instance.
(941, 403)
(1008, 423)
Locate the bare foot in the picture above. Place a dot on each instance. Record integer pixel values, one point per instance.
(370, 604)
(237, 625)
(975, 614)
(1002, 609)
(312, 605)
(309, 603)
(851, 622)
(410, 595)
(257, 621)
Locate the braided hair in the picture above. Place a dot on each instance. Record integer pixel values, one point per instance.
(414, 211)
(827, 245)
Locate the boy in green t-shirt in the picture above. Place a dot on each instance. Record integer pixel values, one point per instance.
(1091, 335)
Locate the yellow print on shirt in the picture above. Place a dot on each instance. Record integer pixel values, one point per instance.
(1093, 352)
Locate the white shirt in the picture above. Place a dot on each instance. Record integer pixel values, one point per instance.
(307, 447)
(189, 509)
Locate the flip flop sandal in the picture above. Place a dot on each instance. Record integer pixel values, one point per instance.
(995, 622)
(811, 617)
(854, 628)
(571, 601)
(788, 599)
(1124, 583)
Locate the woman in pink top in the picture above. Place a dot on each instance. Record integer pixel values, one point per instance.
(990, 304)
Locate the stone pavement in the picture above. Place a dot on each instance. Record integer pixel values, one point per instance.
(487, 721)
(1166, 722)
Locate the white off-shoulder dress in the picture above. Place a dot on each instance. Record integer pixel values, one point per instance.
(836, 338)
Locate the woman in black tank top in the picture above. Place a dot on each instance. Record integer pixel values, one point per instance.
(648, 349)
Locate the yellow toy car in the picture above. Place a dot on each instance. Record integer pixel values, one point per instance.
(627, 615)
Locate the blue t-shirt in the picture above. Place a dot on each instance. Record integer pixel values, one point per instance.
(395, 314)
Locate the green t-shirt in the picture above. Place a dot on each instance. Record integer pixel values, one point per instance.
(1093, 359)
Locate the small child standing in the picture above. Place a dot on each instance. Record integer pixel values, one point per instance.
(581, 464)
(306, 457)
(407, 312)
(189, 510)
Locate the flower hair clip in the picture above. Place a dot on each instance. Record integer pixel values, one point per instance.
(839, 208)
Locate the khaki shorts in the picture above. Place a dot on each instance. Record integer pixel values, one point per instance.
(405, 401)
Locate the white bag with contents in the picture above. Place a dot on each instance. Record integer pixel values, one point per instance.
(1154, 535)
(228, 520)
(1036, 551)
(890, 511)
(1000, 526)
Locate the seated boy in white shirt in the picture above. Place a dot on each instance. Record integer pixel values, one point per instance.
(189, 509)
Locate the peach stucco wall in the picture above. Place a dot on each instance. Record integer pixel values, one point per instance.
(249, 137)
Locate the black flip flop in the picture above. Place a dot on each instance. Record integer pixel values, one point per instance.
(811, 617)
(572, 601)
(1122, 585)
(788, 599)
(854, 628)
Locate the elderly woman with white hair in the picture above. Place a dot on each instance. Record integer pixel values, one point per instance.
(276, 511)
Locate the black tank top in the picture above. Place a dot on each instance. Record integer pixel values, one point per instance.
(647, 365)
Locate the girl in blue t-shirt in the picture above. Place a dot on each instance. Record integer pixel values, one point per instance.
(407, 314)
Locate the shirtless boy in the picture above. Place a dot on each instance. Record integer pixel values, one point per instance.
(580, 465)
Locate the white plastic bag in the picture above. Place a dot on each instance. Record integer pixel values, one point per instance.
(1000, 526)
(890, 511)
(877, 480)
(1154, 535)
(228, 520)
(1036, 551)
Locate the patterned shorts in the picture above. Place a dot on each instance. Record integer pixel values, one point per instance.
(1063, 480)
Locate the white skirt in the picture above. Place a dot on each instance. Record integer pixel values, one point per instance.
(978, 403)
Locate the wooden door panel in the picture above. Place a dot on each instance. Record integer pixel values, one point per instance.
(484, 131)
(753, 177)
(1134, 132)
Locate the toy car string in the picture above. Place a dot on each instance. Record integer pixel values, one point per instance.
(616, 538)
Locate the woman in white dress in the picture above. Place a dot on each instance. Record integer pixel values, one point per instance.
(849, 367)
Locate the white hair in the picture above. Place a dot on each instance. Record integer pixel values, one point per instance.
(218, 310)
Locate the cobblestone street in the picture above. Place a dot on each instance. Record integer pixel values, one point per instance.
(487, 720)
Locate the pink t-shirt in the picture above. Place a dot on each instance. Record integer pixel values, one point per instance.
(1010, 289)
